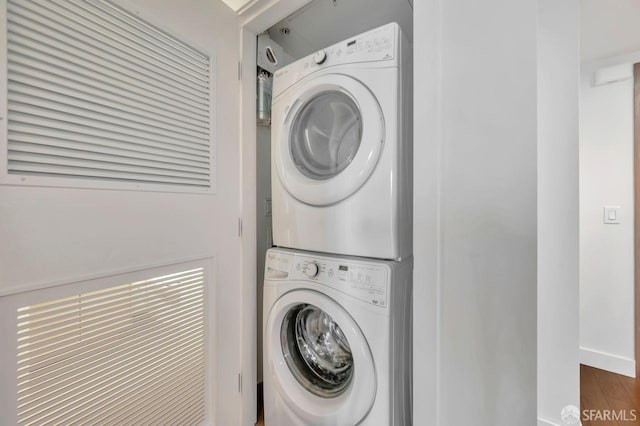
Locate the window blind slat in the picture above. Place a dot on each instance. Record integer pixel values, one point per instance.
(59, 32)
(117, 320)
(35, 44)
(28, 149)
(65, 87)
(121, 409)
(81, 370)
(135, 355)
(49, 99)
(97, 94)
(33, 168)
(70, 162)
(77, 397)
(60, 313)
(38, 112)
(72, 407)
(143, 32)
(23, 142)
(48, 312)
(117, 40)
(168, 411)
(42, 126)
(54, 69)
(56, 355)
(50, 372)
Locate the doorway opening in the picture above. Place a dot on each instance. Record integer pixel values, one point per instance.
(610, 210)
(315, 26)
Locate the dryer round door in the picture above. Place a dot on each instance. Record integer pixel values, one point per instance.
(319, 359)
(331, 139)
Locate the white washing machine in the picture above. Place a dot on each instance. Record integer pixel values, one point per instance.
(337, 340)
(342, 148)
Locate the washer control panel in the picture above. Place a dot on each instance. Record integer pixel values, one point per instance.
(364, 280)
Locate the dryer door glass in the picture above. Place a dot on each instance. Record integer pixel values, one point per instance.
(316, 351)
(325, 135)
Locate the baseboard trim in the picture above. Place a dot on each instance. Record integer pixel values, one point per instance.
(608, 362)
(545, 422)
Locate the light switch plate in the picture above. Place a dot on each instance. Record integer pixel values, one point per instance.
(611, 215)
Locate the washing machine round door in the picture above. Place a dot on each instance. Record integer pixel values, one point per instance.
(331, 139)
(319, 359)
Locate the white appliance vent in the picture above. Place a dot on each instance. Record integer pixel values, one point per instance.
(96, 94)
(127, 354)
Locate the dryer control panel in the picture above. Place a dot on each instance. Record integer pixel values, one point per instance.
(379, 44)
(368, 281)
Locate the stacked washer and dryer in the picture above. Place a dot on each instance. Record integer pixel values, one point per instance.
(337, 290)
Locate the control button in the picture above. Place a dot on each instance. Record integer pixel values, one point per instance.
(311, 269)
(298, 266)
(331, 272)
(320, 57)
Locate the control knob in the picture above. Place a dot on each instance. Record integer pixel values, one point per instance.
(319, 57)
(311, 269)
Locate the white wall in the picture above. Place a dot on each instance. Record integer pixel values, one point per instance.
(558, 230)
(59, 235)
(427, 146)
(486, 105)
(263, 221)
(608, 28)
(488, 212)
(606, 251)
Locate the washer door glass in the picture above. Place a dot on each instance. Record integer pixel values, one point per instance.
(316, 351)
(326, 135)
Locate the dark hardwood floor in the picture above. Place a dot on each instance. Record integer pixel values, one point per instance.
(605, 391)
(260, 406)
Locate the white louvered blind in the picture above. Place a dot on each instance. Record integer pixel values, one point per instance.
(95, 94)
(127, 354)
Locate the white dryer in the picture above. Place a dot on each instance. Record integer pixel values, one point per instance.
(337, 340)
(342, 148)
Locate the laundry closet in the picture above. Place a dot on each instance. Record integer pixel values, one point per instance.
(314, 37)
(138, 229)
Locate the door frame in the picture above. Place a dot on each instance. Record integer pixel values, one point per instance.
(255, 18)
(636, 209)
